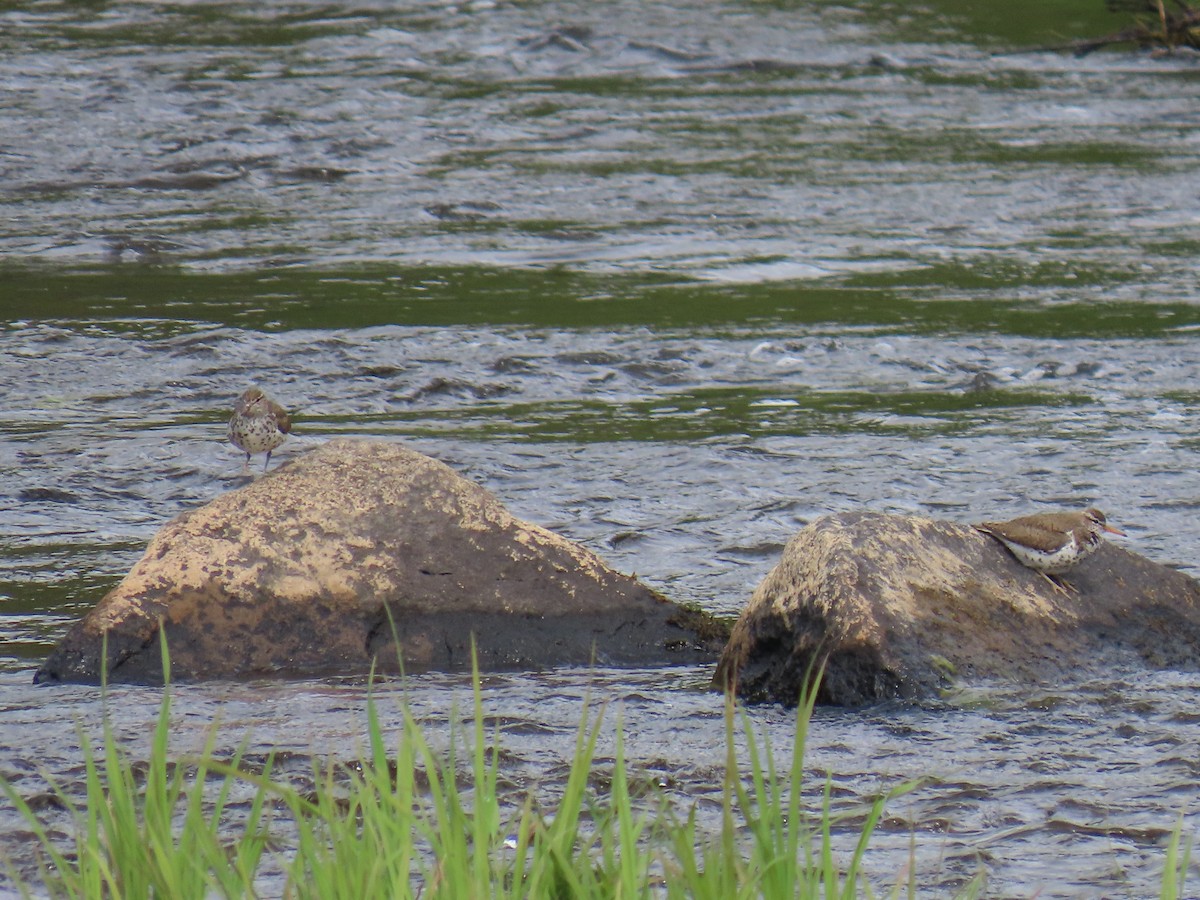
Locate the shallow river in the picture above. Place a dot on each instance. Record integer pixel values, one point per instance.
(669, 279)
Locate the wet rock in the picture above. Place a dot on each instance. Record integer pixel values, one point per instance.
(324, 564)
(903, 607)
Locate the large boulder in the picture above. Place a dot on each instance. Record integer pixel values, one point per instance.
(365, 553)
(902, 607)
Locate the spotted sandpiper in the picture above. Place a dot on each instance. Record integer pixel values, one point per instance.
(1052, 543)
(259, 424)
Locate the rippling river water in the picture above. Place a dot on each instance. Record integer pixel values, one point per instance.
(671, 280)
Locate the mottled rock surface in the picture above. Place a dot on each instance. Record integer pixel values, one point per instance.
(902, 607)
(296, 574)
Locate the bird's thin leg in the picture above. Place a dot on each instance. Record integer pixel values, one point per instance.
(1061, 585)
(246, 465)
(267, 461)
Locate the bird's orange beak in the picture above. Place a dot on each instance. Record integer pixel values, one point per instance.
(1112, 530)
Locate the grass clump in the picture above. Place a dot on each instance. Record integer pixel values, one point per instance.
(410, 821)
(148, 830)
(1175, 868)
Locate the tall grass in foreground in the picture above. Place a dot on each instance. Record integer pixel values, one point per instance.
(147, 835)
(396, 824)
(1176, 865)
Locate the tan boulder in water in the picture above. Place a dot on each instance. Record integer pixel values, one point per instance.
(902, 607)
(295, 574)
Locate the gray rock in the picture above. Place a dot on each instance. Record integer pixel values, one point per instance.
(903, 607)
(321, 566)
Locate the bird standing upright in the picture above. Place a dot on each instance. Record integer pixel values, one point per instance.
(1052, 543)
(259, 424)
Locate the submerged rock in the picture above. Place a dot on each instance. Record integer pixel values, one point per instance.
(902, 607)
(363, 553)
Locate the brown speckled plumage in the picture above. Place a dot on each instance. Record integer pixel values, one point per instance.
(259, 425)
(1052, 543)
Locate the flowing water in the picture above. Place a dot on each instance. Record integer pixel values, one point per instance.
(670, 279)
